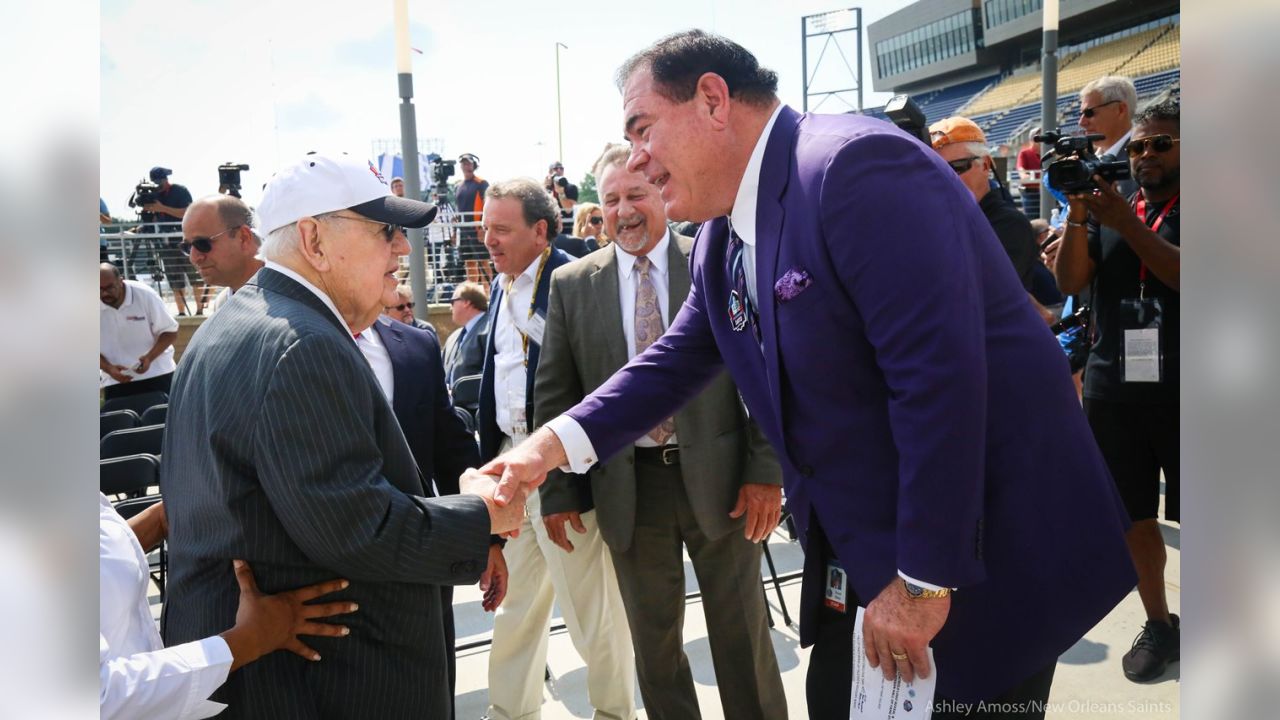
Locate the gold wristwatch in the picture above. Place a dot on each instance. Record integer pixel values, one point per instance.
(915, 592)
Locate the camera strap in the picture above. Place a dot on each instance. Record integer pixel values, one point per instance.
(1140, 208)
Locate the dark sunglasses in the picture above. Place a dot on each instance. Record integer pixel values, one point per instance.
(596, 221)
(1159, 143)
(388, 231)
(962, 165)
(402, 306)
(1089, 112)
(203, 244)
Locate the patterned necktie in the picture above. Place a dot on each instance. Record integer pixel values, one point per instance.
(739, 296)
(648, 327)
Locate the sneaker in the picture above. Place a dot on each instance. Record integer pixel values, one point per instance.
(1154, 648)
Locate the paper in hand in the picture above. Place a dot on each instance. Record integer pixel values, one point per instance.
(874, 698)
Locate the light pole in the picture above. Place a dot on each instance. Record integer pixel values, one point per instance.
(559, 124)
(409, 153)
(1049, 91)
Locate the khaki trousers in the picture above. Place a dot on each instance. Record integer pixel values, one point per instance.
(585, 586)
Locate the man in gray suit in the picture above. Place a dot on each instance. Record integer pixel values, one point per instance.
(689, 481)
(464, 350)
(282, 450)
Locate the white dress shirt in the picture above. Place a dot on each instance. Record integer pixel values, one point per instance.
(742, 219)
(627, 279)
(139, 677)
(1117, 150)
(370, 344)
(128, 332)
(510, 321)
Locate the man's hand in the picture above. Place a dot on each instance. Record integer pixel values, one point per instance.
(503, 518)
(526, 465)
(266, 623)
(896, 624)
(555, 528)
(493, 582)
(153, 207)
(763, 506)
(1050, 255)
(119, 373)
(144, 363)
(1106, 205)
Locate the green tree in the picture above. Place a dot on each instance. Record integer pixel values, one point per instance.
(587, 190)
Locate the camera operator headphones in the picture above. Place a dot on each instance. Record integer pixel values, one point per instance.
(475, 161)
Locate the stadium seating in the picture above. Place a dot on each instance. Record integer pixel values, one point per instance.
(129, 475)
(155, 414)
(116, 420)
(146, 439)
(137, 403)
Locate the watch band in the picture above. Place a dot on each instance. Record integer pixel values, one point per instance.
(915, 592)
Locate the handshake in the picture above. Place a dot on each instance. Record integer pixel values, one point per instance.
(504, 482)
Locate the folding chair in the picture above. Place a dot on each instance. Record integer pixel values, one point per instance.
(465, 392)
(155, 415)
(116, 420)
(130, 475)
(137, 403)
(146, 439)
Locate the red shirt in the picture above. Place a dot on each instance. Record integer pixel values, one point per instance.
(1029, 159)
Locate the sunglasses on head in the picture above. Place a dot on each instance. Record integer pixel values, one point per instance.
(203, 244)
(388, 231)
(596, 221)
(962, 165)
(402, 306)
(1158, 143)
(1089, 112)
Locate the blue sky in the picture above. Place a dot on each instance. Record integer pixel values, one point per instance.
(190, 85)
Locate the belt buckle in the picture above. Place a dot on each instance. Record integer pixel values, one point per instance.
(671, 455)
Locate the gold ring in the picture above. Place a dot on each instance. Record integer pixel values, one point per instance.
(898, 656)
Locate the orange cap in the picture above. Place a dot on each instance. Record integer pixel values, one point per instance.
(955, 130)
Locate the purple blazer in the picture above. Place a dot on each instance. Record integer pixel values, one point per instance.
(920, 408)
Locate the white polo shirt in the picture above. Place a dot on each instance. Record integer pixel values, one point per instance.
(126, 333)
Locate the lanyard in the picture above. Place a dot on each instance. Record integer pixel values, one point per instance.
(1140, 208)
(533, 299)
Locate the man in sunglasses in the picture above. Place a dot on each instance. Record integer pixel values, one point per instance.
(281, 446)
(218, 237)
(1129, 249)
(1107, 105)
(403, 311)
(964, 146)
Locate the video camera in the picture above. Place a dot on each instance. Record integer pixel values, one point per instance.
(229, 177)
(144, 193)
(441, 171)
(1077, 163)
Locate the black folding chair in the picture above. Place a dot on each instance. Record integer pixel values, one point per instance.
(467, 417)
(130, 475)
(146, 439)
(116, 420)
(465, 392)
(155, 415)
(157, 559)
(137, 403)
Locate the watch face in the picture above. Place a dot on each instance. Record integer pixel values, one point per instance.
(913, 590)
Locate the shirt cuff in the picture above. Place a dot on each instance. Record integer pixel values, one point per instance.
(211, 660)
(577, 446)
(921, 583)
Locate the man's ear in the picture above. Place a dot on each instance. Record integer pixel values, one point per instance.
(712, 95)
(311, 246)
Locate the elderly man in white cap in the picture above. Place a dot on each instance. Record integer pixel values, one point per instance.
(281, 449)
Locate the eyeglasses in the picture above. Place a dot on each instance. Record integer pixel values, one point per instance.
(454, 300)
(203, 244)
(596, 221)
(1089, 112)
(388, 230)
(402, 307)
(1159, 143)
(962, 165)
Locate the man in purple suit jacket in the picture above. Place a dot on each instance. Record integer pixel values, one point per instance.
(928, 430)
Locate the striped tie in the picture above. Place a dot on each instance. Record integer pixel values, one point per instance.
(738, 278)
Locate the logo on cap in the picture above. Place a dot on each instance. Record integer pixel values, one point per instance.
(376, 174)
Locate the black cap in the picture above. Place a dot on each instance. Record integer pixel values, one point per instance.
(397, 211)
(160, 173)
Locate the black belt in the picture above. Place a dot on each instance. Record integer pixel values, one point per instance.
(665, 455)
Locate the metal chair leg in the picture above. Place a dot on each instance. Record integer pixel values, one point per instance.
(777, 586)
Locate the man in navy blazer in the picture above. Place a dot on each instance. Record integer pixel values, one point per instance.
(931, 442)
(437, 437)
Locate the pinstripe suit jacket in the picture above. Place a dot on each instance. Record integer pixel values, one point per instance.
(282, 450)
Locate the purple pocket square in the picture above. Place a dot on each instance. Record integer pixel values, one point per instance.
(791, 284)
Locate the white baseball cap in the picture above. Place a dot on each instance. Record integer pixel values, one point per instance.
(321, 183)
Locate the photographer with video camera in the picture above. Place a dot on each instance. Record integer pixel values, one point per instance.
(163, 205)
(1128, 248)
(470, 201)
(565, 193)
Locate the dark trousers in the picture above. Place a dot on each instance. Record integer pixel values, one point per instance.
(450, 645)
(651, 579)
(137, 387)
